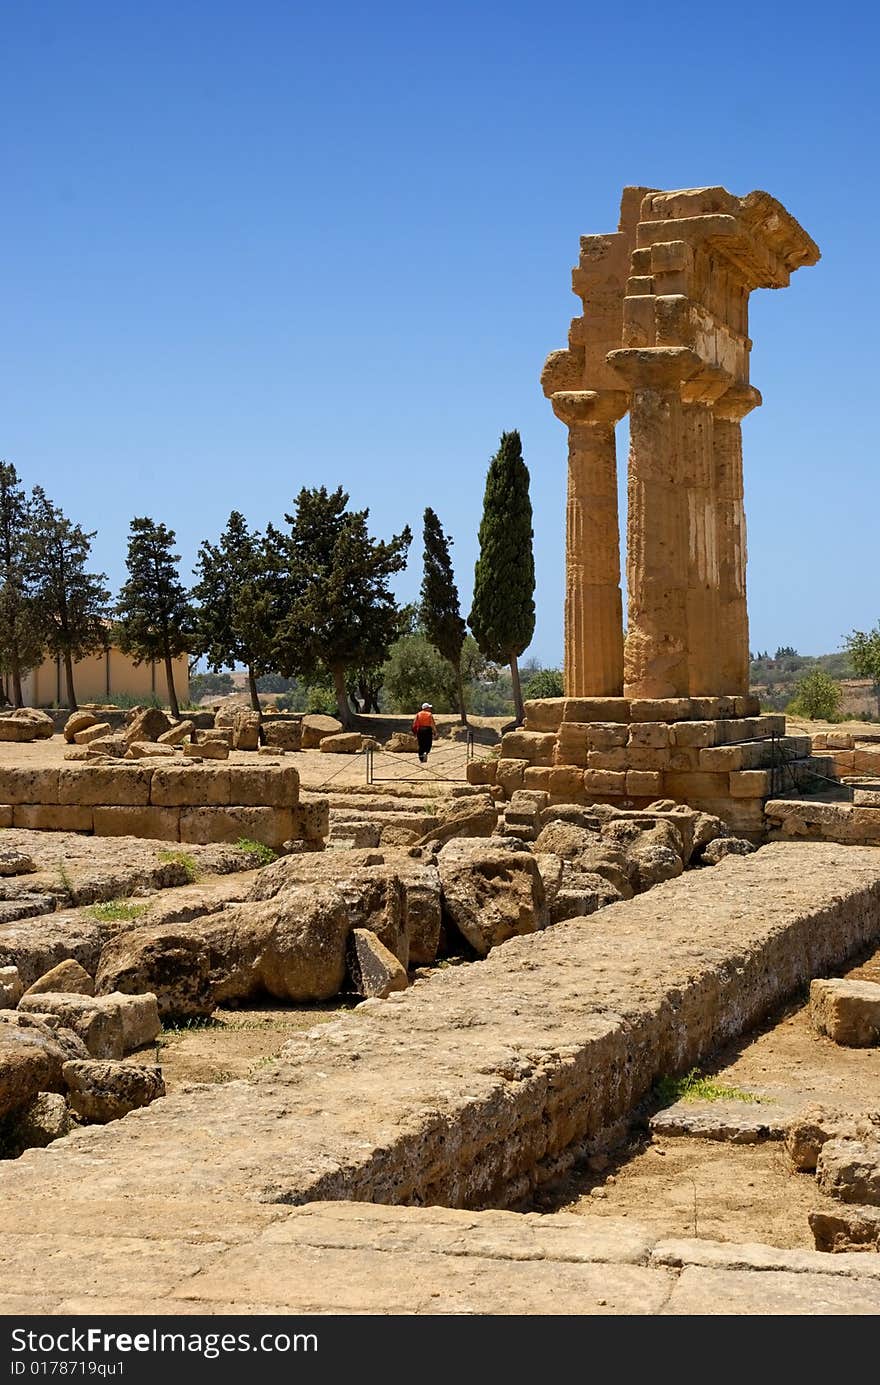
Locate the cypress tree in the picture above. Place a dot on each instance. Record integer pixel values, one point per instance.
(502, 617)
(70, 603)
(21, 640)
(237, 592)
(154, 614)
(439, 611)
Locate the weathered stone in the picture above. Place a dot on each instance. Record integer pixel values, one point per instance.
(119, 785)
(207, 750)
(40, 724)
(45, 1118)
(566, 839)
(14, 862)
(78, 721)
(92, 732)
(373, 971)
(246, 729)
(849, 1170)
(283, 735)
(474, 816)
(99, 1025)
(12, 729)
(421, 887)
(68, 978)
(847, 1011)
(148, 725)
(812, 1127)
(149, 750)
(315, 727)
(31, 1059)
(271, 826)
(846, 1229)
(490, 895)
(311, 818)
(104, 1091)
(11, 988)
(581, 893)
(162, 824)
(708, 828)
(104, 748)
(726, 846)
(376, 901)
(177, 733)
(342, 743)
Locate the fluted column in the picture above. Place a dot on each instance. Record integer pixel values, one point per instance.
(656, 651)
(593, 604)
(733, 620)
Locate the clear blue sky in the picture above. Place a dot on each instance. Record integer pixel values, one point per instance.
(251, 247)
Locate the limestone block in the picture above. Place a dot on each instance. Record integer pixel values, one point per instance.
(284, 735)
(342, 743)
(536, 778)
(28, 785)
(92, 732)
(607, 735)
(751, 783)
(39, 817)
(315, 727)
(747, 705)
(149, 750)
(68, 977)
(866, 798)
(6, 815)
(123, 785)
(605, 781)
(509, 774)
(104, 1091)
(11, 987)
(176, 734)
(844, 761)
(596, 709)
(643, 758)
(642, 783)
(691, 734)
(685, 761)
(660, 709)
(616, 759)
(820, 740)
(847, 1229)
(373, 970)
(838, 740)
(712, 708)
(354, 834)
(271, 826)
(162, 824)
(207, 750)
(572, 744)
(258, 786)
(98, 1025)
(482, 771)
(147, 725)
(544, 714)
(246, 729)
(850, 1170)
(564, 784)
(78, 721)
(190, 786)
(649, 735)
(847, 1011)
(311, 819)
(140, 1017)
(534, 746)
(866, 761)
(695, 786)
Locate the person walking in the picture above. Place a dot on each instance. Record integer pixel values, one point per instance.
(423, 728)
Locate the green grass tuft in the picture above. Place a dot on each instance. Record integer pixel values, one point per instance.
(694, 1087)
(116, 911)
(187, 863)
(263, 854)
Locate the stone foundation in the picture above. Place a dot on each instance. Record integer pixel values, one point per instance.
(174, 803)
(717, 754)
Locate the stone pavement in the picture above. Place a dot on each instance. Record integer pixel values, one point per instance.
(359, 1258)
(465, 1091)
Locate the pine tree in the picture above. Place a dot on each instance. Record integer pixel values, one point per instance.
(153, 610)
(21, 641)
(70, 604)
(238, 594)
(440, 612)
(502, 617)
(340, 612)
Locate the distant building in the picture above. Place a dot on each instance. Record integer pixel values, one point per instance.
(101, 677)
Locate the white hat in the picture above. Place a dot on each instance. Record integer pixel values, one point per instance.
(426, 707)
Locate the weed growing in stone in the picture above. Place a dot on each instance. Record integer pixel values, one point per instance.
(262, 854)
(694, 1087)
(66, 883)
(116, 911)
(183, 859)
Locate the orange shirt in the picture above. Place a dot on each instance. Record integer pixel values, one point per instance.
(423, 719)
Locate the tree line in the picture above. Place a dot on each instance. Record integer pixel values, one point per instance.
(311, 600)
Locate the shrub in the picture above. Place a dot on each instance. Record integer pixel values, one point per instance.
(817, 697)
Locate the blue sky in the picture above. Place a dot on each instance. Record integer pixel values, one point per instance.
(251, 247)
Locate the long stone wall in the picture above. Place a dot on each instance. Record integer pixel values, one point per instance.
(481, 1081)
(174, 803)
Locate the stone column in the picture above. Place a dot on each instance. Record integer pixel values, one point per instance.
(733, 621)
(593, 606)
(702, 557)
(656, 649)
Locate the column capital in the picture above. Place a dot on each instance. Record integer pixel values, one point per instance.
(575, 407)
(655, 367)
(736, 402)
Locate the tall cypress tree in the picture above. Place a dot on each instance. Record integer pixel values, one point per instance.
(439, 610)
(153, 610)
(502, 617)
(21, 640)
(70, 603)
(238, 595)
